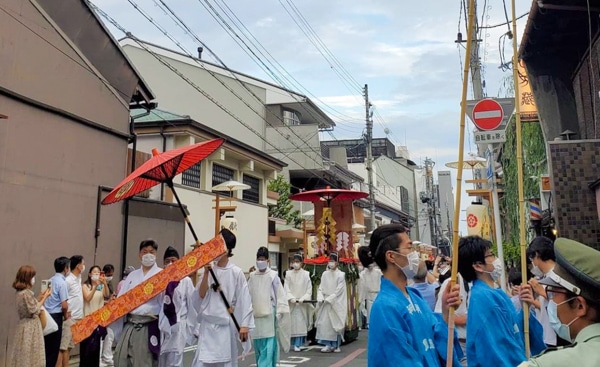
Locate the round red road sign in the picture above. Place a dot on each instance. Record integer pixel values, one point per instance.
(487, 114)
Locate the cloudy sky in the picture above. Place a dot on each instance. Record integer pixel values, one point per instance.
(404, 51)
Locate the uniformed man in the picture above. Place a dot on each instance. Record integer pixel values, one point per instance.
(573, 289)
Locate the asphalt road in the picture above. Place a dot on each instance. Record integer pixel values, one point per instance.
(353, 354)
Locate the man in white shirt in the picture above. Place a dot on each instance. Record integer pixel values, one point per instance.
(217, 334)
(460, 314)
(333, 307)
(139, 344)
(298, 288)
(177, 317)
(75, 302)
(271, 312)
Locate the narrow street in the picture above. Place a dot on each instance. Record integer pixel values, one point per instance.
(353, 354)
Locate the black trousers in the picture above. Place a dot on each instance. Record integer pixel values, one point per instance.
(52, 341)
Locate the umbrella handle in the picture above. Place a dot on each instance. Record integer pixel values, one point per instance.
(217, 285)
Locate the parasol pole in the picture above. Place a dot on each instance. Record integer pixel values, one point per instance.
(216, 286)
(519, 148)
(217, 214)
(461, 148)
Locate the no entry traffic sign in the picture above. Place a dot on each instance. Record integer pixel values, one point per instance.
(487, 114)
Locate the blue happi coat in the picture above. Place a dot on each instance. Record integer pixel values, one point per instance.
(405, 332)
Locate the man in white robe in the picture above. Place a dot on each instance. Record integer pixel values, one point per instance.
(271, 312)
(333, 307)
(298, 288)
(369, 282)
(139, 343)
(177, 317)
(217, 334)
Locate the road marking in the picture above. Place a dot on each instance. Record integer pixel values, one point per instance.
(349, 358)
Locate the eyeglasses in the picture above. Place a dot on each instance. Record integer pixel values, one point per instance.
(550, 291)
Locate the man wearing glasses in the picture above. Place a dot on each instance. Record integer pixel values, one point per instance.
(494, 336)
(573, 290)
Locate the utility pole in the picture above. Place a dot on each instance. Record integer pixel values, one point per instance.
(431, 202)
(489, 150)
(369, 163)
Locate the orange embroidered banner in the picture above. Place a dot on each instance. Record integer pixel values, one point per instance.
(150, 288)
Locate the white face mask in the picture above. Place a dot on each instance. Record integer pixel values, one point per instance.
(561, 329)
(108, 279)
(496, 274)
(261, 265)
(296, 266)
(148, 260)
(410, 270)
(82, 268)
(331, 265)
(32, 281)
(535, 270)
(95, 278)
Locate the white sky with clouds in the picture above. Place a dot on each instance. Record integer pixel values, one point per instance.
(404, 51)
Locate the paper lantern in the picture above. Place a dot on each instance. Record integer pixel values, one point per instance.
(230, 223)
(478, 222)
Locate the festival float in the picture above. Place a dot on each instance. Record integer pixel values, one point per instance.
(334, 228)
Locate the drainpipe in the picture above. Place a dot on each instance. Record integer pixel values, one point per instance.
(164, 149)
(133, 140)
(98, 206)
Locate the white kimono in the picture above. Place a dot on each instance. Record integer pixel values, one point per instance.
(175, 337)
(217, 335)
(333, 309)
(299, 287)
(267, 294)
(368, 288)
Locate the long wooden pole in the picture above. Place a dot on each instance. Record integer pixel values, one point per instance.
(522, 224)
(461, 148)
(217, 215)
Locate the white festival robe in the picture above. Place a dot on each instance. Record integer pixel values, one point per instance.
(267, 294)
(368, 288)
(333, 305)
(299, 287)
(175, 337)
(217, 335)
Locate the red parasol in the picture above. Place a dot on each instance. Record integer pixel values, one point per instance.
(162, 168)
(328, 194)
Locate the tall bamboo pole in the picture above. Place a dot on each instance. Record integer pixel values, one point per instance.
(461, 148)
(522, 240)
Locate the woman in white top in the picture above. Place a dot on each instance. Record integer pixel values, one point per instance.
(95, 289)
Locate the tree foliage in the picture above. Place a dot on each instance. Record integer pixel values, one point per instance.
(284, 208)
(534, 164)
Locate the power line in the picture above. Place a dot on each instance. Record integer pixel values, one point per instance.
(197, 88)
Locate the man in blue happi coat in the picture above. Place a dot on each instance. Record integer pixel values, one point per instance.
(403, 331)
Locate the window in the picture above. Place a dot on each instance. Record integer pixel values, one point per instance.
(404, 200)
(253, 193)
(221, 174)
(291, 118)
(191, 176)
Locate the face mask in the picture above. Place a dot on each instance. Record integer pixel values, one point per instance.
(32, 281)
(148, 260)
(261, 265)
(95, 278)
(561, 329)
(108, 279)
(371, 266)
(496, 274)
(410, 270)
(296, 266)
(331, 265)
(537, 271)
(82, 268)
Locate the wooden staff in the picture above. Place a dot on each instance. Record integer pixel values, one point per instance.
(522, 239)
(461, 148)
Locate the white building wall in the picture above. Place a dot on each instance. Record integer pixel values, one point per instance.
(176, 95)
(291, 146)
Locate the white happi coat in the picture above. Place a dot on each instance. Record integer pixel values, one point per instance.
(267, 296)
(333, 308)
(368, 288)
(175, 337)
(299, 287)
(217, 335)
